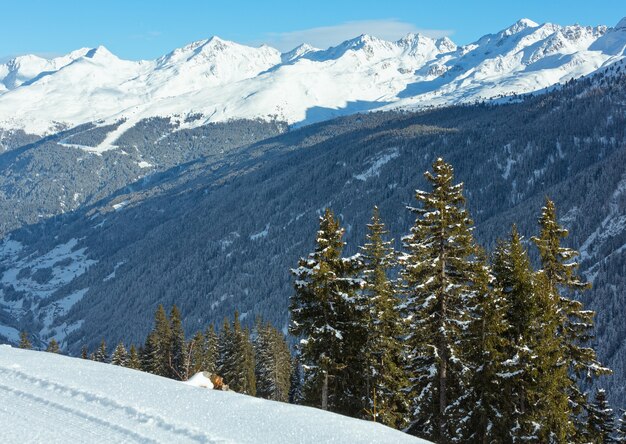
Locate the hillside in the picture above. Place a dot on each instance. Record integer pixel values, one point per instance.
(214, 230)
(51, 398)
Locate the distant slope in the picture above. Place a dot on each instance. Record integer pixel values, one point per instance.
(219, 80)
(51, 398)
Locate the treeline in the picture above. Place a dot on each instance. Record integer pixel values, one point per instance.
(257, 363)
(443, 341)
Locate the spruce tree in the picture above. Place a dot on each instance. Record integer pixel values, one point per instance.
(273, 363)
(210, 350)
(575, 324)
(53, 346)
(120, 355)
(25, 341)
(101, 353)
(177, 361)
(244, 352)
(295, 384)
(600, 420)
(84, 353)
(534, 380)
(134, 360)
(225, 364)
(151, 360)
(163, 342)
(324, 315)
(384, 374)
(482, 412)
(438, 270)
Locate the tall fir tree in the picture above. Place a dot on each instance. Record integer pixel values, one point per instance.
(273, 363)
(25, 341)
(53, 346)
(84, 353)
(163, 342)
(210, 350)
(225, 362)
(178, 358)
(324, 316)
(236, 364)
(134, 360)
(295, 384)
(482, 412)
(120, 355)
(575, 324)
(536, 406)
(384, 374)
(151, 361)
(600, 420)
(438, 269)
(101, 354)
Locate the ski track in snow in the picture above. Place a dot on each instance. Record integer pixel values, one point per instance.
(46, 397)
(58, 400)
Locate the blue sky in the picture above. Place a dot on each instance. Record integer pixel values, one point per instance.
(135, 29)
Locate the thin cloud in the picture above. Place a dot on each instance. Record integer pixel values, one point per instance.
(326, 36)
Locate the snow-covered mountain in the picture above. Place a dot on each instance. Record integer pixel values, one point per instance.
(46, 397)
(217, 80)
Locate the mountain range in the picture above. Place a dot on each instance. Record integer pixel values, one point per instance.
(128, 184)
(216, 80)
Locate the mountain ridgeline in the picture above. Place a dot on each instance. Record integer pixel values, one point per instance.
(223, 211)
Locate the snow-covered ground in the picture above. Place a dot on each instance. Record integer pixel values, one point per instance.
(52, 398)
(221, 80)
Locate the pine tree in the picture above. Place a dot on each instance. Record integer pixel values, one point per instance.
(384, 375)
(483, 410)
(25, 341)
(244, 356)
(101, 353)
(324, 315)
(576, 324)
(295, 382)
(120, 355)
(162, 346)
(151, 360)
(177, 361)
(600, 420)
(53, 346)
(536, 406)
(273, 363)
(438, 270)
(84, 353)
(225, 364)
(210, 350)
(134, 360)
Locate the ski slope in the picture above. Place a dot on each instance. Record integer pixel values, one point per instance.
(52, 398)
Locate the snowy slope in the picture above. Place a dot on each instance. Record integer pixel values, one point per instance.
(52, 398)
(223, 80)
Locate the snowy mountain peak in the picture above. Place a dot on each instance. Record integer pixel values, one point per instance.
(519, 26)
(100, 53)
(444, 44)
(621, 24)
(298, 52)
